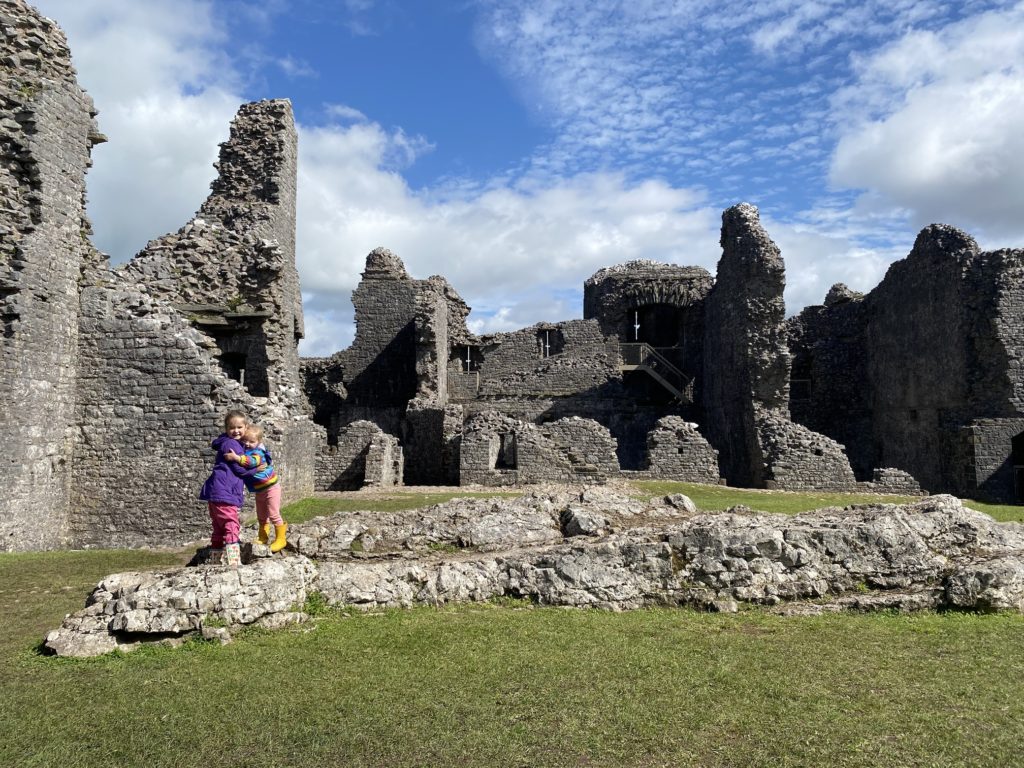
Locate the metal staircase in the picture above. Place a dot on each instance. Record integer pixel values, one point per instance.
(644, 357)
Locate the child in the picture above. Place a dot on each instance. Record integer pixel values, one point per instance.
(223, 491)
(264, 484)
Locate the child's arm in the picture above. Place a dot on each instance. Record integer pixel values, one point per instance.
(241, 464)
(249, 460)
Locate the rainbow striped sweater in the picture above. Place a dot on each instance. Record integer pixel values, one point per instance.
(258, 457)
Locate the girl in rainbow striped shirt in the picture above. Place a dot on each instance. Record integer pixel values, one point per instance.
(264, 484)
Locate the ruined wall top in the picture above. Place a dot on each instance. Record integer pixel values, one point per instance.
(645, 269)
(840, 293)
(940, 242)
(33, 43)
(256, 162)
(382, 264)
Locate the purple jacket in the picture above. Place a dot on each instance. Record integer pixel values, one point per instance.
(224, 485)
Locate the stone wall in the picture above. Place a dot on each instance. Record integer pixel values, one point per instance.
(746, 361)
(498, 450)
(918, 357)
(990, 468)
(504, 359)
(830, 389)
(797, 459)
(46, 132)
(232, 268)
(151, 398)
(363, 456)
(676, 450)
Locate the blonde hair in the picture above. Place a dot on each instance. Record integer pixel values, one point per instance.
(253, 432)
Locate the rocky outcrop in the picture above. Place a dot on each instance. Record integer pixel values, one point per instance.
(595, 548)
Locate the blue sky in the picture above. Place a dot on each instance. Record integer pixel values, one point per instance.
(517, 147)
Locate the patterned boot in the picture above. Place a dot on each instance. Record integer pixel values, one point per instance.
(232, 555)
(215, 556)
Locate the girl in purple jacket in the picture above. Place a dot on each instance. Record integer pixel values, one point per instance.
(223, 492)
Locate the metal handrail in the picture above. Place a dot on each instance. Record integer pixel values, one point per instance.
(643, 355)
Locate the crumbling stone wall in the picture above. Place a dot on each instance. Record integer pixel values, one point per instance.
(798, 459)
(829, 387)
(46, 132)
(151, 397)
(232, 268)
(499, 450)
(106, 382)
(746, 361)
(676, 450)
(365, 455)
(503, 360)
(659, 304)
(917, 362)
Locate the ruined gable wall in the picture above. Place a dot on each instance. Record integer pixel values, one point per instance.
(380, 366)
(918, 357)
(746, 368)
(46, 131)
(233, 266)
(425, 438)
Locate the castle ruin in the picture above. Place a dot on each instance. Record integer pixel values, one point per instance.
(115, 379)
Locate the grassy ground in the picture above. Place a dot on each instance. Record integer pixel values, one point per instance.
(393, 501)
(718, 497)
(491, 685)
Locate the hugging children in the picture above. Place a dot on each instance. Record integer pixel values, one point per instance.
(233, 469)
(264, 484)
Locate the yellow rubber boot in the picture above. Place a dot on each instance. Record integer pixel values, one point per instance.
(263, 534)
(279, 539)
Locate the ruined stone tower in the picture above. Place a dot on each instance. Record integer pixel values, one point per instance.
(109, 377)
(46, 132)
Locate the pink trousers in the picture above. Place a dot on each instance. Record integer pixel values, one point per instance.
(225, 523)
(268, 505)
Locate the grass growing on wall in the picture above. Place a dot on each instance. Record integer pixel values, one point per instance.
(490, 685)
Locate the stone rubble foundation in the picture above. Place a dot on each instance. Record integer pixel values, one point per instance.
(593, 548)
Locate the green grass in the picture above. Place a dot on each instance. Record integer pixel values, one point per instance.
(496, 685)
(306, 509)
(1004, 513)
(504, 685)
(718, 497)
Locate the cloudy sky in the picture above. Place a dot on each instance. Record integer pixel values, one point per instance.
(517, 147)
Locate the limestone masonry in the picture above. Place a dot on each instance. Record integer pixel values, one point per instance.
(112, 375)
(598, 549)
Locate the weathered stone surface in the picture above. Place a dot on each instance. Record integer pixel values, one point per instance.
(592, 549)
(127, 608)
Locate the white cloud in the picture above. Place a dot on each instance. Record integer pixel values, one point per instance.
(935, 125)
(509, 250)
(816, 261)
(165, 101)
(345, 113)
(295, 67)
